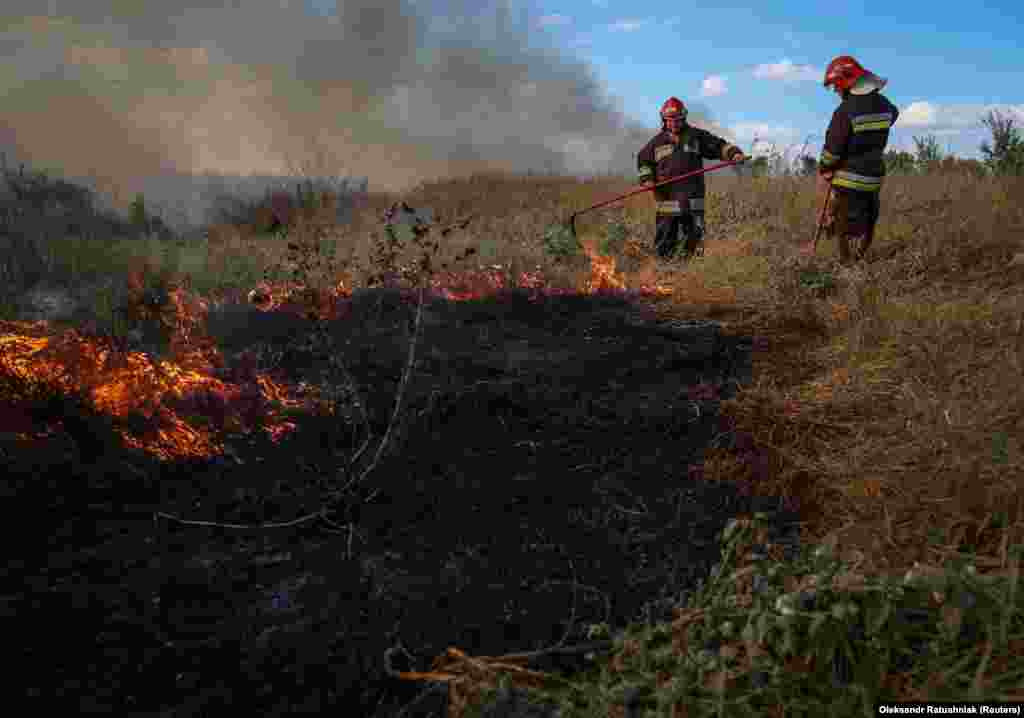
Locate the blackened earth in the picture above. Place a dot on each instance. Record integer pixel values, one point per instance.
(541, 480)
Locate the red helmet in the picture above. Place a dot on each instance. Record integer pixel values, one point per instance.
(843, 72)
(673, 109)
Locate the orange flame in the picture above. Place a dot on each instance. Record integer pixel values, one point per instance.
(127, 383)
(185, 405)
(604, 277)
(602, 273)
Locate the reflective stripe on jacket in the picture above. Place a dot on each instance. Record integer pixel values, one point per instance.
(675, 206)
(852, 180)
(856, 140)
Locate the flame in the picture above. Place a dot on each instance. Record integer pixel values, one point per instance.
(604, 277)
(190, 401)
(164, 392)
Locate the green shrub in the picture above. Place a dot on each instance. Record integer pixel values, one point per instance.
(559, 242)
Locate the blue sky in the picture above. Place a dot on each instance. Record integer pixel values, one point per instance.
(757, 68)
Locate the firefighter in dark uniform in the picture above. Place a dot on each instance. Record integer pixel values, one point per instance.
(680, 148)
(852, 165)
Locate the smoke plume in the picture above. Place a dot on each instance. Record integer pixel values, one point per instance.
(397, 91)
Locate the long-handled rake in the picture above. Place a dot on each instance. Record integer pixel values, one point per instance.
(572, 218)
(821, 221)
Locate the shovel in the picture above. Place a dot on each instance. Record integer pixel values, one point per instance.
(572, 218)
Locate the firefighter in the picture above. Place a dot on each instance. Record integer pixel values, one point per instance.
(680, 148)
(852, 166)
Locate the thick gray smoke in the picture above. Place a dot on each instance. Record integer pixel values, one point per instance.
(394, 90)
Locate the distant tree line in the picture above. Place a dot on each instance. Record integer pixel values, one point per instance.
(1003, 156)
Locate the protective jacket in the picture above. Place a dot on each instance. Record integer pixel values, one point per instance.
(856, 139)
(662, 159)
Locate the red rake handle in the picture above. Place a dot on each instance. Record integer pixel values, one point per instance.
(821, 217)
(671, 180)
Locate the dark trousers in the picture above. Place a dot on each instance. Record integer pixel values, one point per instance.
(855, 215)
(674, 230)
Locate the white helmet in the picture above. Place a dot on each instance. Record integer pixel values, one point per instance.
(868, 83)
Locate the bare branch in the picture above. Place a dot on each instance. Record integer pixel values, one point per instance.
(410, 361)
(216, 524)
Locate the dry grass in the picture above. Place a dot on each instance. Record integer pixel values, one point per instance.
(909, 378)
(887, 400)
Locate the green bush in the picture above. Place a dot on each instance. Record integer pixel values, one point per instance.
(559, 242)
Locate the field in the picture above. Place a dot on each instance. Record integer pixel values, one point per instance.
(499, 465)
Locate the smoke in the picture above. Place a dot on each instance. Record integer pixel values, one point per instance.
(395, 90)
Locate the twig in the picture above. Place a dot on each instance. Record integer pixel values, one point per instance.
(556, 650)
(410, 361)
(216, 524)
(433, 688)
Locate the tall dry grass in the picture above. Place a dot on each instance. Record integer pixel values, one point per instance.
(889, 396)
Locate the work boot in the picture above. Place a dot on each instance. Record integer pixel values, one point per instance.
(665, 254)
(665, 250)
(692, 247)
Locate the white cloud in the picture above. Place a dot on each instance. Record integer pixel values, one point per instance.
(627, 25)
(950, 119)
(713, 86)
(786, 71)
(765, 137)
(553, 19)
(918, 114)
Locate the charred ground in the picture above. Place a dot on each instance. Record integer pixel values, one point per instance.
(544, 480)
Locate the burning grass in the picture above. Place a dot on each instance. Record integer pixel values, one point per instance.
(886, 402)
